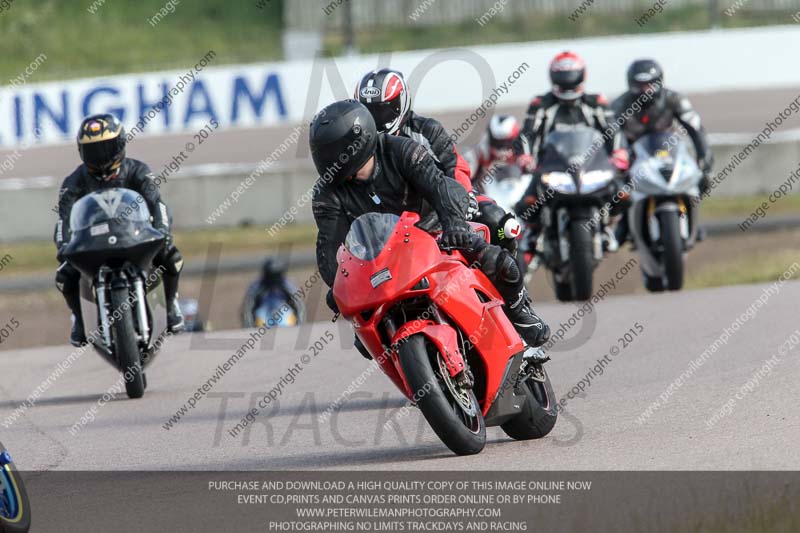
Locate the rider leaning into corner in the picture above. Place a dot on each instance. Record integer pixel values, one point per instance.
(386, 95)
(567, 103)
(391, 174)
(101, 145)
(659, 113)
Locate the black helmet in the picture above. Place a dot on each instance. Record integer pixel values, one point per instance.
(386, 95)
(645, 75)
(101, 144)
(342, 138)
(567, 74)
(272, 271)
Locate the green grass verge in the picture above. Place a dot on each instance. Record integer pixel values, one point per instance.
(740, 207)
(540, 27)
(36, 257)
(754, 268)
(118, 38)
(32, 257)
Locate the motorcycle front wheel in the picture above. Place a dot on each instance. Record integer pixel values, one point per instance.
(673, 249)
(581, 259)
(452, 412)
(126, 347)
(15, 508)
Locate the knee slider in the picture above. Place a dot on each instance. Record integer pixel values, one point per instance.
(173, 261)
(507, 268)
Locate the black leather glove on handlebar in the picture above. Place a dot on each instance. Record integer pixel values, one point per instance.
(459, 238)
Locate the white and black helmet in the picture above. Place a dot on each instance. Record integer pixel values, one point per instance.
(385, 93)
(503, 131)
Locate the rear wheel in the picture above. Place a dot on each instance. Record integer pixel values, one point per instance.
(673, 249)
(15, 508)
(581, 259)
(126, 346)
(538, 414)
(452, 412)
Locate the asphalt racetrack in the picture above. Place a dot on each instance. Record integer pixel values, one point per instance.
(736, 410)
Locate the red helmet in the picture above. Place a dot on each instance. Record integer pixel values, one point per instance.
(385, 93)
(567, 74)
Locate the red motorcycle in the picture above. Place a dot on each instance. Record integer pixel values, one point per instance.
(437, 328)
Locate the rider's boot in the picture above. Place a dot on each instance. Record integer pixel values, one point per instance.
(527, 323)
(174, 315)
(77, 336)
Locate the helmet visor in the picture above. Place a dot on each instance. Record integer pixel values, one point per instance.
(650, 87)
(384, 113)
(101, 155)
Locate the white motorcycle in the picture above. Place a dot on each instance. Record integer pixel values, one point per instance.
(663, 219)
(505, 184)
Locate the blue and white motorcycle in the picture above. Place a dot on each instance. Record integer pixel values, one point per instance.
(15, 509)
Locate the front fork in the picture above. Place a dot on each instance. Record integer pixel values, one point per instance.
(101, 293)
(103, 302)
(654, 224)
(598, 225)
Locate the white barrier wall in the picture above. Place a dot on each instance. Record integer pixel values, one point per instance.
(268, 94)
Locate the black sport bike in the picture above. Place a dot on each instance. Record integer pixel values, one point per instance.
(578, 181)
(113, 244)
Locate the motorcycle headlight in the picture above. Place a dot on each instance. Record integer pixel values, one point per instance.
(560, 182)
(594, 180)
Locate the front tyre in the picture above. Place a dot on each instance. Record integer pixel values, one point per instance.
(563, 289)
(673, 249)
(452, 412)
(126, 346)
(538, 415)
(15, 508)
(581, 259)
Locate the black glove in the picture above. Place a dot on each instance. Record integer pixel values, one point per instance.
(60, 253)
(458, 238)
(329, 299)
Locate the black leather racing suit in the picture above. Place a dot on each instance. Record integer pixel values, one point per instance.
(660, 115)
(430, 133)
(544, 112)
(406, 178)
(133, 175)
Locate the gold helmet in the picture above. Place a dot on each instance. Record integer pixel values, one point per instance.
(101, 144)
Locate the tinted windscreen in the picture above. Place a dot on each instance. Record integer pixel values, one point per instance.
(369, 234)
(111, 204)
(573, 142)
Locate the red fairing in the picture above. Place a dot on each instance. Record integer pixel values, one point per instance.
(409, 255)
(444, 337)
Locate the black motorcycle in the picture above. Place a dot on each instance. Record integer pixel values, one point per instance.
(113, 244)
(577, 179)
(15, 508)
